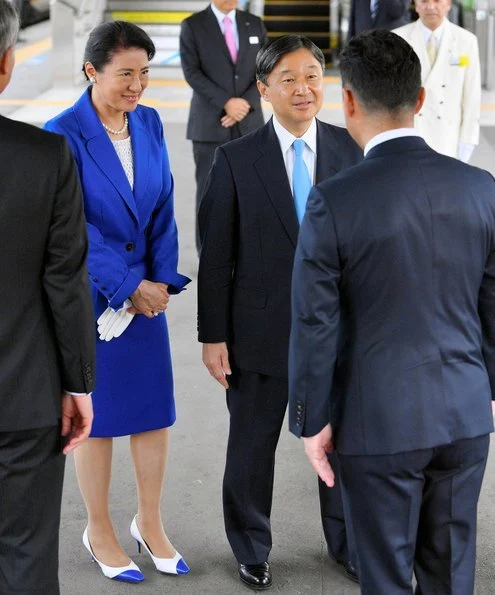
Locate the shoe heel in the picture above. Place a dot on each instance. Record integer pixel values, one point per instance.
(138, 546)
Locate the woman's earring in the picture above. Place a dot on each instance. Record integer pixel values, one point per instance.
(92, 80)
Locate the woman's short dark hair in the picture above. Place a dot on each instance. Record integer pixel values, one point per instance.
(108, 38)
(271, 53)
(382, 69)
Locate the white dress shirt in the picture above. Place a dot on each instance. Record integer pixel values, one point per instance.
(220, 16)
(389, 135)
(373, 8)
(438, 32)
(286, 138)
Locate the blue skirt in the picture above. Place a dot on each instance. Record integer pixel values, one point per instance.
(134, 383)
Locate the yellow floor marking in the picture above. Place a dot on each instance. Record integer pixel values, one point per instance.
(158, 17)
(33, 49)
(164, 83)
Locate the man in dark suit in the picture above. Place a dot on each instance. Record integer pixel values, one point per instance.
(377, 14)
(392, 350)
(249, 222)
(225, 104)
(46, 339)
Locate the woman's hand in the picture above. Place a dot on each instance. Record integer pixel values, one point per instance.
(150, 298)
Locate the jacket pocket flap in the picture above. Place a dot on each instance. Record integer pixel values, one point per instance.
(253, 298)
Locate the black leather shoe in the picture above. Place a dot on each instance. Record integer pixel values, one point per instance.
(256, 576)
(349, 570)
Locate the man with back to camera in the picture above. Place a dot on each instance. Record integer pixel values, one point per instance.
(449, 120)
(46, 339)
(249, 219)
(377, 14)
(397, 257)
(218, 48)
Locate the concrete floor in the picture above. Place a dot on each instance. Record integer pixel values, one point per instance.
(192, 496)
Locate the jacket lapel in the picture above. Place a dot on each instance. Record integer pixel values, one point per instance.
(328, 159)
(444, 49)
(101, 150)
(417, 40)
(141, 149)
(214, 33)
(243, 31)
(270, 167)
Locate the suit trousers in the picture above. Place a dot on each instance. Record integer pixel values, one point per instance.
(31, 477)
(416, 511)
(204, 154)
(257, 405)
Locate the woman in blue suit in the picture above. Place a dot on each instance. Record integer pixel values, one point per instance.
(132, 263)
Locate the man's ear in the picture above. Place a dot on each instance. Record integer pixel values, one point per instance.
(348, 102)
(420, 100)
(6, 61)
(263, 90)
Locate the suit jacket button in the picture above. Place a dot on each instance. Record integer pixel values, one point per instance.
(129, 247)
(95, 280)
(110, 295)
(236, 76)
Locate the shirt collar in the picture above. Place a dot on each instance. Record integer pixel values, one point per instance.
(220, 15)
(438, 32)
(286, 138)
(389, 135)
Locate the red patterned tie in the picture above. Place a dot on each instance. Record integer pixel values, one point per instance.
(230, 39)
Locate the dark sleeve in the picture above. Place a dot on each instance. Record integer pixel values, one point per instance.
(193, 73)
(315, 319)
(218, 231)
(65, 279)
(486, 309)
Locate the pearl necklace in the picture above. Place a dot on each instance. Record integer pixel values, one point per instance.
(117, 132)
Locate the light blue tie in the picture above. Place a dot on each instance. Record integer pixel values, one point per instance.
(301, 182)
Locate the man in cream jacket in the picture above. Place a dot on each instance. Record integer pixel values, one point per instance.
(450, 73)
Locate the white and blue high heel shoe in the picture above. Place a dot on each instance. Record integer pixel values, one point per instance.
(127, 574)
(175, 565)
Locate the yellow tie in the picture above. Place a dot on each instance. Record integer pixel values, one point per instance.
(431, 49)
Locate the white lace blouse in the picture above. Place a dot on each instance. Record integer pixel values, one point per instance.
(124, 152)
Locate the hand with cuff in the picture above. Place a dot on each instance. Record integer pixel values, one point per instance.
(77, 419)
(150, 298)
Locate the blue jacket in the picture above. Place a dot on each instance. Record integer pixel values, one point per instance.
(132, 232)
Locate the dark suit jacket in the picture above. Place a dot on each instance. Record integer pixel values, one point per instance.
(249, 232)
(390, 15)
(209, 70)
(398, 254)
(47, 328)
